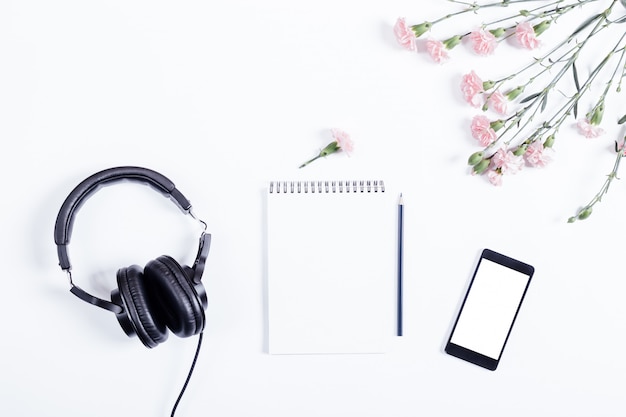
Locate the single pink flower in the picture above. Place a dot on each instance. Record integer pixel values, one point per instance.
(344, 142)
(525, 35)
(483, 42)
(494, 177)
(482, 130)
(506, 161)
(472, 87)
(536, 155)
(498, 102)
(404, 35)
(436, 50)
(341, 142)
(588, 130)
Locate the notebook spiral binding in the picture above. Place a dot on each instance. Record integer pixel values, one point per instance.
(291, 187)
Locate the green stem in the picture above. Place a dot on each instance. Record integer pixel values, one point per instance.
(330, 148)
(473, 7)
(569, 106)
(559, 11)
(519, 116)
(619, 84)
(603, 190)
(556, 48)
(566, 109)
(617, 67)
(309, 161)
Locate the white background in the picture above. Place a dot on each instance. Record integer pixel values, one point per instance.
(222, 97)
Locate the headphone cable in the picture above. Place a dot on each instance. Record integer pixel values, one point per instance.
(193, 365)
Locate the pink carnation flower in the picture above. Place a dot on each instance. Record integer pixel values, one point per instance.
(341, 142)
(483, 42)
(404, 35)
(536, 155)
(525, 35)
(506, 162)
(344, 142)
(472, 87)
(494, 177)
(588, 130)
(436, 50)
(482, 130)
(498, 102)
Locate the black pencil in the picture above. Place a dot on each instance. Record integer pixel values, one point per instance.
(400, 250)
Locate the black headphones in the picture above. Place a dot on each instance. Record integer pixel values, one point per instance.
(163, 295)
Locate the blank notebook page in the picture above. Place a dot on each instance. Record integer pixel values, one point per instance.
(331, 267)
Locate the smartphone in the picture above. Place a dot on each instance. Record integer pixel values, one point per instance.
(489, 309)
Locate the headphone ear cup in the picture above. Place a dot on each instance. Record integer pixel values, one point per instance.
(179, 305)
(138, 314)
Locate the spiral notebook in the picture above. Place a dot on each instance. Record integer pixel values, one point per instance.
(331, 265)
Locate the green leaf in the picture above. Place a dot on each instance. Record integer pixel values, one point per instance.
(622, 20)
(530, 97)
(544, 102)
(586, 23)
(622, 120)
(575, 71)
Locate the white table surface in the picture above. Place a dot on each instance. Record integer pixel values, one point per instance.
(222, 97)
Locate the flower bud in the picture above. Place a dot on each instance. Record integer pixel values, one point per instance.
(475, 158)
(420, 29)
(498, 33)
(584, 213)
(513, 94)
(452, 42)
(521, 150)
(541, 27)
(595, 117)
(488, 85)
(481, 166)
(496, 125)
(330, 148)
(549, 142)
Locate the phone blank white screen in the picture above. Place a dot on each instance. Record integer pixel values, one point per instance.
(490, 308)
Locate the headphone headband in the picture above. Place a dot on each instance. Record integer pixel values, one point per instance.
(65, 219)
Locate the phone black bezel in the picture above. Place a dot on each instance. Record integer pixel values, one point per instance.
(470, 355)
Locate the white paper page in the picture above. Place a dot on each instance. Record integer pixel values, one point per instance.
(331, 272)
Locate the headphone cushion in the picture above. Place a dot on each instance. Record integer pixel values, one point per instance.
(178, 302)
(134, 293)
